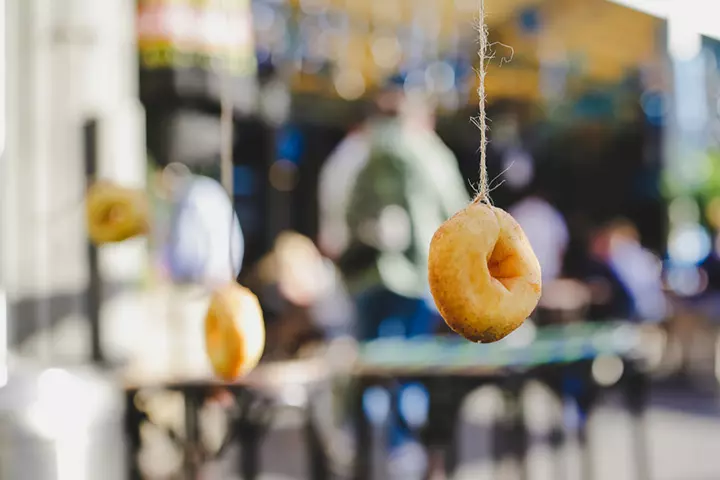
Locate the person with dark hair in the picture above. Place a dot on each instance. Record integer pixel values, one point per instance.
(609, 296)
(632, 273)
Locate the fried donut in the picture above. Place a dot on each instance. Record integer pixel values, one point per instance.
(484, 276)
(234, 331)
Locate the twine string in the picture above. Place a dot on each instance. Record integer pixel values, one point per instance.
(481, 121)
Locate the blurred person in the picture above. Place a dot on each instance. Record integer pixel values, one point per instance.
(609, 296)
(213, 256)
(545, 228)
(624, 276)
(203, 241)
(640, 270)
(409, 184)
(288, 281)
(563, 300)
(341, 169)
(337, 178)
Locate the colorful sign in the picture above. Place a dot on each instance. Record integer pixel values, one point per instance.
(196, 34)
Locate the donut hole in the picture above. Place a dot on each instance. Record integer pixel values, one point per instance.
(503, 265)
(110, 215)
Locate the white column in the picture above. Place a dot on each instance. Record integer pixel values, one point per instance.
(66, 61)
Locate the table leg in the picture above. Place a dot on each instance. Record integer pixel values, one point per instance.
(451, 438)
(510, 439)
(636, 389)
(317, 457)
(517, 433)
(557, 436)
(498, 447)
(251, 424)
(133, 420)
(587, 467)
(192, 437)
(249, 453)
(363, 435)
(586, 399)
(557, 447)
(452, 453)
(440, 434)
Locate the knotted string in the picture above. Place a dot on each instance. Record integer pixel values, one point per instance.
(481, 121)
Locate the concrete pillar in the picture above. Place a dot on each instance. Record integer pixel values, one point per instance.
(66, 62)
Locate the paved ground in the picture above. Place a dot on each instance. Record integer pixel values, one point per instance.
(683, 444)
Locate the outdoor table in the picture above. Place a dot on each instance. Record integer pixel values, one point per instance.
(258, 397)
(451, 368)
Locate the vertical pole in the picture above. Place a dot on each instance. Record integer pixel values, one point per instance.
(95, 287)
(227, 125)
(7, 16)
(191, 464)
(226, 133)
(275, 200)
(363, 434)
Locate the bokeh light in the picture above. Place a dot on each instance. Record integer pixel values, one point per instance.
(387, 51)
(440, 77)
(349, 84)
(712, 212)
(686, 281)
(689, 244)
(283, 175)
(684, 210)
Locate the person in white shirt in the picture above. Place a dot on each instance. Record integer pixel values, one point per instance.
(205, 244)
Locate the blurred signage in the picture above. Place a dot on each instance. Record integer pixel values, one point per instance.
(191, 50)
(196, 34)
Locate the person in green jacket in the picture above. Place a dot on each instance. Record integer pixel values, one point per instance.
(410, 184)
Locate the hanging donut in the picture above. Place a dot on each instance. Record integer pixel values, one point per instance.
(234, 331)
(115, 213)
(483, 273)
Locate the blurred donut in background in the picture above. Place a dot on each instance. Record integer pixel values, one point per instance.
(292, 280)
(234, 331)
(204, 244)
(115, 213)
(297, 268)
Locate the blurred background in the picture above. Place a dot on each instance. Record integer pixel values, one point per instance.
(340, 132)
